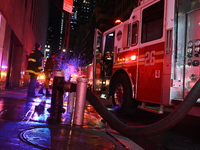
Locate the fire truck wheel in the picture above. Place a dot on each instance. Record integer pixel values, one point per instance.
(123, 103)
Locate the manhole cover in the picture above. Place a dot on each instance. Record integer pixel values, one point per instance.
(65, 138)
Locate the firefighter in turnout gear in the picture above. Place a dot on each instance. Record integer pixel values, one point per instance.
(49, 67)
(34, 68)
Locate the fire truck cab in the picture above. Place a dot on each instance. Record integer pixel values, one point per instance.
(151, 59)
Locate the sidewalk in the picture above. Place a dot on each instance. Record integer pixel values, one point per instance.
(23, 126)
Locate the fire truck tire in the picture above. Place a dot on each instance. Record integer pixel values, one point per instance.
(122, 100)
(146, 130)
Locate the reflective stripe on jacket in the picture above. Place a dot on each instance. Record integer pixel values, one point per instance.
(34, 63)
(31, 59)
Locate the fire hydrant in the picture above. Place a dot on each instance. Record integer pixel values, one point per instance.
(59, 87)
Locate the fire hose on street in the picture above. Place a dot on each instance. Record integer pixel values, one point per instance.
(148, 130)
(130, 131)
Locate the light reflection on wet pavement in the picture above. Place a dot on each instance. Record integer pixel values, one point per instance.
(14, 107)
(26, 118)
(37, 110)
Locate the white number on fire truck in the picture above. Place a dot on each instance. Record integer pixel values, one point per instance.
(150, 58)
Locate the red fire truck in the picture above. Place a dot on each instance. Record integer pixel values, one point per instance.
(150, 61)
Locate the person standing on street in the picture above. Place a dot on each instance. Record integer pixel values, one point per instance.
(48, 68)
(34, 68)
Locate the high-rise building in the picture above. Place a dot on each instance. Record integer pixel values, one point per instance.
(82, 11)
(56, 23)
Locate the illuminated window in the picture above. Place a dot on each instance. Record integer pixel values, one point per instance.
(109, 44)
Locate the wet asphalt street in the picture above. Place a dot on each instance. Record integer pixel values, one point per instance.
(23, 126)
(183, 136)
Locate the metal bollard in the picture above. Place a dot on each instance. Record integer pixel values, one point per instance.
(80, 101)
(70, 105)
(57, 109)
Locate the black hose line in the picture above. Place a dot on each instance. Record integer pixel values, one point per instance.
(146, 130)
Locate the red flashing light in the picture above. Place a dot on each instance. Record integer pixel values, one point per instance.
(118, 21)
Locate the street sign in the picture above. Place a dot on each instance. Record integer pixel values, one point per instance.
(67, 5)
